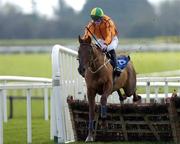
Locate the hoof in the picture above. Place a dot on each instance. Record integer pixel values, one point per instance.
(137, 98)
(122, 98)
(89, 139)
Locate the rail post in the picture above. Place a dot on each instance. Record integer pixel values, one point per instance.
(46, 104)
(148, 92)
(29, 123)
(1, 117)
(59, 109)
(4, 103)
(52, 118)
(157, 100)
(10, 107)
(166, 89)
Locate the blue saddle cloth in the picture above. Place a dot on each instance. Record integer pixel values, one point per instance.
(122, 61)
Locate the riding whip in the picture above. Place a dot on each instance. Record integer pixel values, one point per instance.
(94, 37)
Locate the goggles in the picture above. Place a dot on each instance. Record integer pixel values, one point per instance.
(96, 19)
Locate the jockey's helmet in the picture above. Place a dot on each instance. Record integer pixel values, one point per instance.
(96, 13)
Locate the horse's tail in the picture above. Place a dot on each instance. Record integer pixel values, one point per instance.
(129, 57)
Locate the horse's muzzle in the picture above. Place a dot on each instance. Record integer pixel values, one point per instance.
(81, 71)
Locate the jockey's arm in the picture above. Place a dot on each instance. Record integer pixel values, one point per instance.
(109, 29)
(87, 33)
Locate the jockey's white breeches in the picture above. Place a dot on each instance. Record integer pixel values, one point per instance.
(112, 45)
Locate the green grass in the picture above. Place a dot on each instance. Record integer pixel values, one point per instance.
(15, 130)
(148, 62)
(40, 65)
(26, 65)
(156, 61)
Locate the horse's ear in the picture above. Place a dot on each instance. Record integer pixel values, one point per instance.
(88, 40)
(80, 39)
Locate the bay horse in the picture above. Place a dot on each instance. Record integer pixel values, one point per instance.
(95, 67)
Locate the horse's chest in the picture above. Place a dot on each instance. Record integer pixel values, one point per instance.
(100, 90)
(99, 86)
(98, 83)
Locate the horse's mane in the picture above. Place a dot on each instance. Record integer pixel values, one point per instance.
(88, 41)
(97, 47)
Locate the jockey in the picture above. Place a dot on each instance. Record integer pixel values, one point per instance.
(104, 29)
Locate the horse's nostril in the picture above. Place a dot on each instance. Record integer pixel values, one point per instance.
(83, 69)
(79, 70)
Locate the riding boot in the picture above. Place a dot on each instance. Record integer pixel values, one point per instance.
(117, 70)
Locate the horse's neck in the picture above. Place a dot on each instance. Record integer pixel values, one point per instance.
(98, 59)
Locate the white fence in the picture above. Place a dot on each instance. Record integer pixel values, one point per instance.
(22, 83)
(67, 81)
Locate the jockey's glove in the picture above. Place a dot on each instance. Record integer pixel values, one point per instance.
(104, 47)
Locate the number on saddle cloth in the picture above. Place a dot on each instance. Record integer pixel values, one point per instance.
(122, 61)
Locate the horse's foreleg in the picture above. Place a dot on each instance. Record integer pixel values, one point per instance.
(103, 105)
(107, 91)
(91, 100)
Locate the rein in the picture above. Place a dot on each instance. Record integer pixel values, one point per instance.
(101, 66)
(105, 63)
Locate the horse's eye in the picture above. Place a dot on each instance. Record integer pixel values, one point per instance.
(77, 58)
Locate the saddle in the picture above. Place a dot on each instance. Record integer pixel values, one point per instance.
(122, 60)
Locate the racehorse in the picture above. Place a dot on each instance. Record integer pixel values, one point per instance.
(95, 67)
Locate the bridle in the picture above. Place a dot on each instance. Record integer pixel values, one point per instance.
(92, 60)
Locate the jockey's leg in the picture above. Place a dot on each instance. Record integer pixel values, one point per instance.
(111, 49)
(117, 70)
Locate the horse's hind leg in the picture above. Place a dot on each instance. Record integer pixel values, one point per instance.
(132, 91)
(136, 97)
(121, 98)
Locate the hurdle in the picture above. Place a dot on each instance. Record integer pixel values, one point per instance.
(66, 81)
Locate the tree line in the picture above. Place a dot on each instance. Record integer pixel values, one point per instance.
(134, 19)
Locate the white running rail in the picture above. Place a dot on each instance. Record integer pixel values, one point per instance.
(66, 81)
(22, 83)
